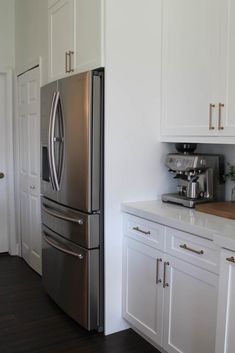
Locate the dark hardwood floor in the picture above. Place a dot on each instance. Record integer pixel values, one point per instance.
(31, 323)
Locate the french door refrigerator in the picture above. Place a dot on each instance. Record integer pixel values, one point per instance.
(72, 195)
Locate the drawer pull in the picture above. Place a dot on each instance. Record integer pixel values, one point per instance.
(231, 259)
(185, 247)
(165, 284)
(158, 280)
(141, 231)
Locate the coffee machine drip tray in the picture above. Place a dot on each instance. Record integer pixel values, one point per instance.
(182, 200)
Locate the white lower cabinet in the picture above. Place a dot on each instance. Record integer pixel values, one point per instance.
(190, 307)
(143, 296)
(225, 338)
(169, 300)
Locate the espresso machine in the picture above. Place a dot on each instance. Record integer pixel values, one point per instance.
(200, 177)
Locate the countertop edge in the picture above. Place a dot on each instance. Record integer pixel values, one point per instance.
(219, 239)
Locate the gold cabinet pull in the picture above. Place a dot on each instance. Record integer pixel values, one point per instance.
(185, 247)
(231, 259)
(211, 127)
(70, 61)
(141, 231)
(165, 284)
(220, 127)
(67, 70)
(158, 280)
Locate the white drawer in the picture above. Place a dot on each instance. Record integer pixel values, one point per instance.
(147, 232)
(193, 249)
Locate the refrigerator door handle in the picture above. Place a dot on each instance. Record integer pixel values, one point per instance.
(60, 140)
(61, 216)
(49, 142)
(52, 135)
(60, 248)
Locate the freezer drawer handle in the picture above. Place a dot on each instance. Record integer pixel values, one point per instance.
(60, 216)
(79, 256)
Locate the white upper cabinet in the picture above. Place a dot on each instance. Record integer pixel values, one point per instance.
(61, 38)
(198, 69)
(75, 36)
(189, 63)
(227, 88)
(89, 42)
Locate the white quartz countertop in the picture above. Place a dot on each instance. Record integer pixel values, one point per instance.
(220, 230)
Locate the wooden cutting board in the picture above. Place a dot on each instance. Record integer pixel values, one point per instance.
(222, 209)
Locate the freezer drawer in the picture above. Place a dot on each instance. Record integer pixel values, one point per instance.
(70, 275)
(80, 228)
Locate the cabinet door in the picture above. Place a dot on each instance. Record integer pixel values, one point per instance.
(142, 295)
(190, 65)
(190, 306)
(61, 37)
(89, 34)
(225, 338)
(227, 88)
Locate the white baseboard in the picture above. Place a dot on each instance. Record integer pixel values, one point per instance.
(14, 251)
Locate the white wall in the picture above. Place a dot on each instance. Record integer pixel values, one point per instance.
(7, 61)
(229, 152)
(133, 155)
(7, 33)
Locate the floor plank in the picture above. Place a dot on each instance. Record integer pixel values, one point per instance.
(30, 322)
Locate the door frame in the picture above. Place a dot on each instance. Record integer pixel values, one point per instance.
(37, 63)
(10, 167)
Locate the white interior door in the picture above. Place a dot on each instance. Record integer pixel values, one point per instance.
(29, 163)
(4, 242)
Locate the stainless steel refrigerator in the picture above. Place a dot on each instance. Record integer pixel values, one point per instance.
(72, 195)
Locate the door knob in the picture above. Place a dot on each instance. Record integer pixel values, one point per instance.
(2, 175)
(32, 187)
